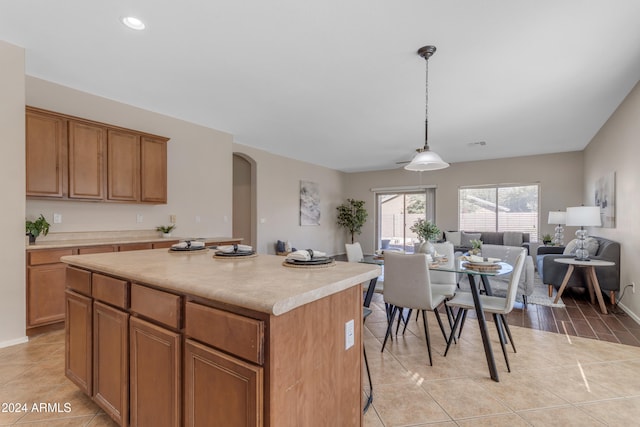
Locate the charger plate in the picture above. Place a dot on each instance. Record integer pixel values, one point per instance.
(308, 265)
(234, 255)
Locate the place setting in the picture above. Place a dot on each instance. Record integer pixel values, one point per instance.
(479, 263)
(189, 246)
(235, 251)
(308, 258)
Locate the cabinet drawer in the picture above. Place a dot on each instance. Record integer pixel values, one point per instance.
(79, 280)
(96, 249)
(160, 245)
(135, 247)
(156, 305)
(48, 256)
(110, 290)
(238, 335)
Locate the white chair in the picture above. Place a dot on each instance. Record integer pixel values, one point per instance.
(354, 254)
(407, 285)
(498, 306)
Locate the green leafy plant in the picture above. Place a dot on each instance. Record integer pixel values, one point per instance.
(165, 228)
(546, 239)
(352, 216)
(37, 227)
(426, 230)
(476, 244)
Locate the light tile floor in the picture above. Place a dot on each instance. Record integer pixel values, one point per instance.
(556, 380)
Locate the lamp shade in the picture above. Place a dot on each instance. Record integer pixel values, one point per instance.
(426, 161)
(556, 217)
(583, 216)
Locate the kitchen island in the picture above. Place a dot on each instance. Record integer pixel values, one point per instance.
(162, 338)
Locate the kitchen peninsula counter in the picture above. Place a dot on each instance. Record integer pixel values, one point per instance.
(184, 338)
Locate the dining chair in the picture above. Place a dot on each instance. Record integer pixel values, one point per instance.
(354, 254)
(497, 306)
(407, 286)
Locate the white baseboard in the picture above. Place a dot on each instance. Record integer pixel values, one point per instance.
(9, 343)
(630, 313)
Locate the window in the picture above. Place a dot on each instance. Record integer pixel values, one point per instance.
(397, 211)
(500, 208)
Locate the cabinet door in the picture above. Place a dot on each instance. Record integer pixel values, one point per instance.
(45, 294)
(167, 244)
(153, 170)
(78, 360)
(221, 390)
(155, 366)
(135, 247)
(111, 361)
(45, 154)
(123, 166)
(87, 144)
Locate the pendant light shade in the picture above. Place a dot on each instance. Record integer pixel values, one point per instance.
(426, 160)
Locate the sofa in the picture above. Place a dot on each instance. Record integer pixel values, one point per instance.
(552, 273)
(509, 254)
(461, 239)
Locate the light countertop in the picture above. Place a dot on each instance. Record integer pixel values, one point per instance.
(259, 283)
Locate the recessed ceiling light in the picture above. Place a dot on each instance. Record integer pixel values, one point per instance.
(133, 23)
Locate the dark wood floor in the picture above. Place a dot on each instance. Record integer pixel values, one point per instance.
(579, 318)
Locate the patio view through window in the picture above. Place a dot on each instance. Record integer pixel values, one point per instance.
(397, 212)
(500, 208)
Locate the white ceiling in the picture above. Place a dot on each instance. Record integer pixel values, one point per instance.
(338, 82)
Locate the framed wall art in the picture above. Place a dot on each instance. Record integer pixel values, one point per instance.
(605, 198)
(309, 203)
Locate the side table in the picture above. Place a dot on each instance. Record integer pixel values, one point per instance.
(592, 280)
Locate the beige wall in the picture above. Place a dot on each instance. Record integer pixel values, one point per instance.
(199, 170)
(616, 149)
(559, 176)
(278, 182)
(12, 178)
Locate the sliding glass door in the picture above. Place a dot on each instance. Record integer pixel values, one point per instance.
(397, 212)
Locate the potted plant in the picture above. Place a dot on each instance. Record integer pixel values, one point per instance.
(546, 239)
(426, 232)
(34, 228)
(352, 216)
(166, 229)
(476, 246)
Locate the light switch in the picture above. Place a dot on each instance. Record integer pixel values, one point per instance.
(57, 218)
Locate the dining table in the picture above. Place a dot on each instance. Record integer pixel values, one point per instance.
(460, 265)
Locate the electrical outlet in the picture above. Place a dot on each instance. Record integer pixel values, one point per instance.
(633, 287)
(57, 218)
(139, 218)
(349, 334)
(172, 218)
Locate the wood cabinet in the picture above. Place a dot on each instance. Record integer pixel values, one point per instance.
(235, 400)
(124, 166)
(111, 361)
(155, 375)
(135, 247)
(45, 287)
(70, 158)
(45, 154)
(78, 341)
(87, 146)
(153, 170)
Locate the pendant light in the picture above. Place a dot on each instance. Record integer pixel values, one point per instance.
(426, 160)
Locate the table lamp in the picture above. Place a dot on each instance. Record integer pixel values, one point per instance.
(583, 216)
(557, 217)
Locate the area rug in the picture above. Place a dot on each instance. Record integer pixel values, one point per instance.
(540, 295)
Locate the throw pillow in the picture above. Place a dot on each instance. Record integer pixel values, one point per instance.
(591, 245)
(454, 237)
(512, 238)
(466, 238)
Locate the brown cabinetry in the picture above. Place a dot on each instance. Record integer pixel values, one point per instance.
(76, 159)
(155, 381)
(111, 361)
(45, 154)
(87, 144)
(45, 287)
(135, 247)
(78, 341)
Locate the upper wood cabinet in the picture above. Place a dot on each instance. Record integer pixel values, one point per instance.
(76, 159)
(87, 144)
(46, 145)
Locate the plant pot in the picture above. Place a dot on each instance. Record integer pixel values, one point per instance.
(166, 234)
(426, 248)
(32, 238)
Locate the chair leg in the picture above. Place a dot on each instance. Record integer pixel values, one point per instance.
(370, 397)
(524, 301)
(405, 320)
(506, 328)
(444, 334)
(453, 330)
(550, 291)
(450, 318)
(612, 297)
(394, 310)
(464, 317)
(426, 333)
(502, 343)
